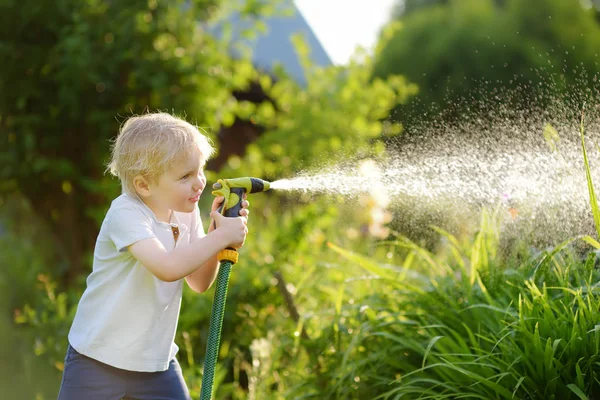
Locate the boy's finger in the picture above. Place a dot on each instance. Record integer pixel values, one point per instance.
(217, 202)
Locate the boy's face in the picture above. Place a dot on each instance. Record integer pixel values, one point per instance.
(179, 188)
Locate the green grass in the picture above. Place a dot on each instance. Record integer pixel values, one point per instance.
(478, 329)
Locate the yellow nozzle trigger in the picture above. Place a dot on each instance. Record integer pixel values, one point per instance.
(223, 191)
(233, 199)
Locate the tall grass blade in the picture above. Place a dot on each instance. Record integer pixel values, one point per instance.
(588, 175)
(429, 346)
(577, 391)
(590, 240)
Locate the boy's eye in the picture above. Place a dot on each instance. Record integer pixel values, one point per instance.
(185, 176)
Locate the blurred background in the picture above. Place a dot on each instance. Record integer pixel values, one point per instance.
(281, 87)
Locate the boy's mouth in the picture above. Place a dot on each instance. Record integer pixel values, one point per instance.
(194, 199)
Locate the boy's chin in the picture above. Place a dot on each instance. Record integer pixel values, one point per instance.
(186, 208)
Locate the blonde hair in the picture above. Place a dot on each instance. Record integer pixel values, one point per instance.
(147, 146)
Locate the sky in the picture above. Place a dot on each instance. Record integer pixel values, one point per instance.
(341, 25)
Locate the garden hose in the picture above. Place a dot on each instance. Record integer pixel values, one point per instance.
(232, 191)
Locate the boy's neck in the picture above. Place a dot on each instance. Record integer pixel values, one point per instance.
(160, 215)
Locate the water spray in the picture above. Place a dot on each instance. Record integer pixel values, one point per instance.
(232, 191)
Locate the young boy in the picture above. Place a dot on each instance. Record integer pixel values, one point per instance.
(121, 341)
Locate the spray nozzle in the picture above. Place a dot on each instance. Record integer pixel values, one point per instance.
(251, 185)
(233, 190)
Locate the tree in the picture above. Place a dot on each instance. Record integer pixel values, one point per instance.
(405, 7)
(340, 115)
(461, 51)
(68, 68)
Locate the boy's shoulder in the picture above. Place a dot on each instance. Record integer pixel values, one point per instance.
(125, 200)
(127, 203)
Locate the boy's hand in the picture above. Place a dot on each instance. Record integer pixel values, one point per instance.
(244, 212)
(235, 228)
(245, 204)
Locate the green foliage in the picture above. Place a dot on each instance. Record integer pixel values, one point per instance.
(482, 330)
(466, 54)
(72, 71)
(171, 64)
(408, 6)
(341, 114)
(338, 115)
(36, 317)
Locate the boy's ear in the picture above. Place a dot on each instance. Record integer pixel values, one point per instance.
(141, 185)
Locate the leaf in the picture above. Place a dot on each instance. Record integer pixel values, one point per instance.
(577, 391)
(591, 241)
(429, 347)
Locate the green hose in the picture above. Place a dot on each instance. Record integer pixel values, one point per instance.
(214, 333)
(232, 191)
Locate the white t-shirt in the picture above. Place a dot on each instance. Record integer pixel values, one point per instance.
(127, 317)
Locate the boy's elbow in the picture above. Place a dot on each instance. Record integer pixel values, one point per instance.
(197, 286)
(164, 276)
(168, 278)
(200, 290)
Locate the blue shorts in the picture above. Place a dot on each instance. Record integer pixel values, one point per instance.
(86, 378)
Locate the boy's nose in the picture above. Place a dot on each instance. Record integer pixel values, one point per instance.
(199, 184)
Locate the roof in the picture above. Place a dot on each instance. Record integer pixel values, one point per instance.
(275, 46)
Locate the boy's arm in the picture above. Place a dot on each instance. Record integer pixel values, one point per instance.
(202, 278)
(183, 260)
